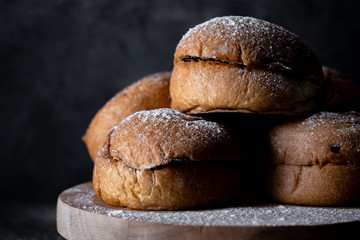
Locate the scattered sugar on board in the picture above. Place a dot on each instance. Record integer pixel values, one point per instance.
(253, 215)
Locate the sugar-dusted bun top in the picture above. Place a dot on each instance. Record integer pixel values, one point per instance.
(255, 43)
(322, 138)
(149, 139)
(243, 64)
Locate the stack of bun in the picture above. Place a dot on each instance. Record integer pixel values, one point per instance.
(248, 112)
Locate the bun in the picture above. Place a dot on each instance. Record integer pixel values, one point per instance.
(243, 64)
(168, 161)
(316, 160)
(342, 93)
(148, 93)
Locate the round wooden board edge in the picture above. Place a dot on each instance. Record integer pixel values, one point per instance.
(76, 223)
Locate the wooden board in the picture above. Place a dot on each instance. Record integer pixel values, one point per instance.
(81, 215)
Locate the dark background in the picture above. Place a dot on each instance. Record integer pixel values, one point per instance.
(61, 60)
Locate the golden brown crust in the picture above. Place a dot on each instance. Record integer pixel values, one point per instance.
(316, 160)
(247, 65)
(148, 139)
(342, 93)
(315, 185)
(148, 93)
(163, 181)
(322, 138)
(173, 187)
(228, 88)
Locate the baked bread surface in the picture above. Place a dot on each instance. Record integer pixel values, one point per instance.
(342, 94)
(148, 93)
(163, 159)
(316, 160)
(245, 64)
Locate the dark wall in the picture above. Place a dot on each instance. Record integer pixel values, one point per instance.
(61, 60)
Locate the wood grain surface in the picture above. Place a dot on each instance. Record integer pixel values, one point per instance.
(81, 215)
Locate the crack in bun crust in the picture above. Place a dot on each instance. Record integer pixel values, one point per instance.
(316, 160)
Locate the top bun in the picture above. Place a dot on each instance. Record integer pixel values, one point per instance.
(244, 64)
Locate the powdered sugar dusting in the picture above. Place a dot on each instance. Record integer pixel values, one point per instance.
(343, 127)
(350, 118)
(183, 125)
(234, 26)
(322, 138)
(241, 39)
(166, 116)
(151, 138)
(83, 197)
(277, 63)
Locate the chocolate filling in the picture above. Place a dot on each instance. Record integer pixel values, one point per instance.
(269, 65)
(173, 161)
(335, 149)
(198, 59)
